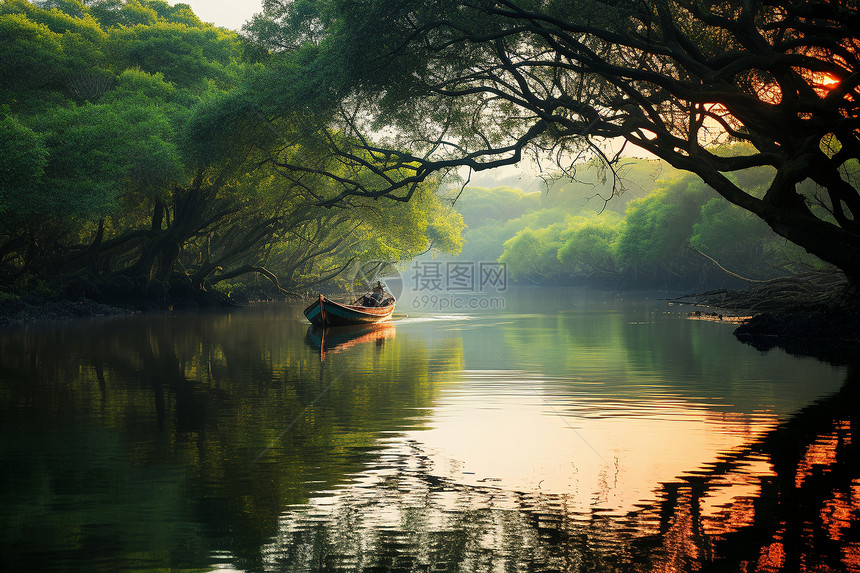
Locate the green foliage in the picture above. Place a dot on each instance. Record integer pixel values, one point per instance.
(532, 255)
(444, 229)
(77, 66)
(557, 239)
(578, 247)
(141, 150)
(463, 83)
(32, 53)
(115, 13)
(590, 244)
(479, 205)
(496, 215)
(658, 226)
(744, 244)
(74, 8)
(78, 22)
(134, 83)
(187, 56)
(724, 226)
(219, 128)
(486, 243)
(98, 151)
(21, 171)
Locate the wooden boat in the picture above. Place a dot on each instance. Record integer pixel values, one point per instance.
(326, 312)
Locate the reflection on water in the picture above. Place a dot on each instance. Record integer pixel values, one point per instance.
(568, 433)
(341, 338)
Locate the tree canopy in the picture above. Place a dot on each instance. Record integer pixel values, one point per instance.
(479, 83)
(142, 161)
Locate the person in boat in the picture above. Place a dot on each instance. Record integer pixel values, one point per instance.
(378, 294)
(375, 298)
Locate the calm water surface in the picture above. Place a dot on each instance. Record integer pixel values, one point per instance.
(566, 432)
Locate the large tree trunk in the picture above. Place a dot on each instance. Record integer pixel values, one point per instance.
(160, 254)
(785, 210)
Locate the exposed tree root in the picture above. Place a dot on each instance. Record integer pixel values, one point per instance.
(815, 314)
(800, 292)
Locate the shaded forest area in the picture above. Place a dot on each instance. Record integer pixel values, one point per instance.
(136, 172)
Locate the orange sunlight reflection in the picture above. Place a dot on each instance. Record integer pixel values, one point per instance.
(851, 557)
(772, 557)
(822, 452)
(610, 460)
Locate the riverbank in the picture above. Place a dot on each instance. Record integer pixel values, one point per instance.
(814, 314)
(34, 308)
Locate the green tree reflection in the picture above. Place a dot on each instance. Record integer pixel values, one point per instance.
(154, 441)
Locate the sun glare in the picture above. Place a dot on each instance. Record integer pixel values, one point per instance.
(823, 83)
(828, 81)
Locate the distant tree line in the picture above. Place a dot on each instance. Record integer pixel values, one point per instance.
(667, 229)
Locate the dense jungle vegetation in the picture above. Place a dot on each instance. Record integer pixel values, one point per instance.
(130, 172)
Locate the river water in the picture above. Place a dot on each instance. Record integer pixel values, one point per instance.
(566, 431)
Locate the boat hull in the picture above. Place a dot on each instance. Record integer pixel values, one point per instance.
(325, 312)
